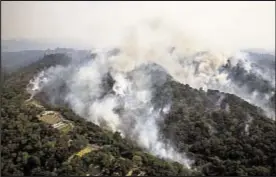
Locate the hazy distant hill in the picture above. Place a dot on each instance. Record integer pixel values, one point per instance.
(16, 57)
(15, 45)
(12, 61)
(20, 45)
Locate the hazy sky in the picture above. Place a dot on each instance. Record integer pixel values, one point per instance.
(232, 24)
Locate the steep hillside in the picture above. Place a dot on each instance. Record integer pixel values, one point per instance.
(221, 133)
(32, 146)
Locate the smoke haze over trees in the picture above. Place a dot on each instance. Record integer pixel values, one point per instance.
(135, 94)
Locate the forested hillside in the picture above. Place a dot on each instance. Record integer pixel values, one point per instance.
(32, 147)
(225, 134)
(222, 133)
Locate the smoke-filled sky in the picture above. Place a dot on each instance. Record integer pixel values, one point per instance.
(228, 24)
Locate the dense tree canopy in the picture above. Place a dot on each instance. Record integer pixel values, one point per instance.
(226, 137)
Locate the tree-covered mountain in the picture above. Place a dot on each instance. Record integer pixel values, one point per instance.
(220, 132)
(32, 147)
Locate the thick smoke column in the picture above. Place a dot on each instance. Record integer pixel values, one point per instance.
(119, 100)
(188, 62)
(119, 91)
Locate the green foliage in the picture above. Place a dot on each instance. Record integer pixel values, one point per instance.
(216, 137)
(137, 160)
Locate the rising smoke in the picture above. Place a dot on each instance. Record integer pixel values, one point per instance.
(121, 91)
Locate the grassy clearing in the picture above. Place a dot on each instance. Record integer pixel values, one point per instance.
(50, 119)
(66, 128)
(129, 173)
(87, 149)
(84, 151)
(34, 103)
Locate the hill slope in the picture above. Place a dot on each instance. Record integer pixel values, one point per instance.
(33, 147)
(222, 133)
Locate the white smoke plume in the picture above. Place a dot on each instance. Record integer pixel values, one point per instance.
(247, 124)
(127, 107)
(189, 65)
(131, 92)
